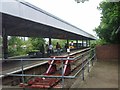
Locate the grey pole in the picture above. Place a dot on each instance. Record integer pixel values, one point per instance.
(23, 80)
(89, 42)
(5, 44)
(88, 66)
(50, 42)
(62, 73)
(92, 58)
(86, 43)
(82, 68)
(82, 42)
(77, 44)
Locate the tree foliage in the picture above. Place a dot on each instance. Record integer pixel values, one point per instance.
(36, 43)
(15, 46)
(18, 46)
(61, 42)
(110, 21)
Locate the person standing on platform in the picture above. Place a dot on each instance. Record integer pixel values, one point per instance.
(58, 47)
(50, 49)
(71, 44)
(66, 47)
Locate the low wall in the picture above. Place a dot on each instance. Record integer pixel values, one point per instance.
(108, 52)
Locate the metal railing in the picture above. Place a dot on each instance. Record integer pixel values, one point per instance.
(84, 64)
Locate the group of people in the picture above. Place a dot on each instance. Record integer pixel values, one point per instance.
(49, 48)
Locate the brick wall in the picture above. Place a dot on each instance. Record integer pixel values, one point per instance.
(108, 52)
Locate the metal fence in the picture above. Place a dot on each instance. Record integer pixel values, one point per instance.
(85, 63)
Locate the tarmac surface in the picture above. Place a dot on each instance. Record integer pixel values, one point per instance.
(104, 74)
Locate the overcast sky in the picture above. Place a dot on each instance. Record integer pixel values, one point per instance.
(85, 15)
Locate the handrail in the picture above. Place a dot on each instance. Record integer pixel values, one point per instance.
(52, 76)
(79, 56)
(83, 66)
(38, 59)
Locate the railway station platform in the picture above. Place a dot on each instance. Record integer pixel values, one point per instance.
(104, 74)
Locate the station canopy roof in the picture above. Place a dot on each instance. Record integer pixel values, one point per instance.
(20, 18)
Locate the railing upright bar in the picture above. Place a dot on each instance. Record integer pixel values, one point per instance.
(89, 62)
(95, 55)
(62, 73)
(23, 79)
(92, 61)
(88, 65)
(82, 68)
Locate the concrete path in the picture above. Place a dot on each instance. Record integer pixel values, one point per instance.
(103, 74)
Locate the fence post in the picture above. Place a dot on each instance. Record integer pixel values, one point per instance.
(92, 56)
(95, 55)
(88, 66)
(62, 73)
(23, 79)
(82, 68)
(89, 57)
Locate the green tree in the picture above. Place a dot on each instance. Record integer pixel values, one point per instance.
(61, 42)
(110, 21)
(36, 43)
(15, 46)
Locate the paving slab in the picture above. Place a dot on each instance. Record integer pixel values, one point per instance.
(104, 74)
